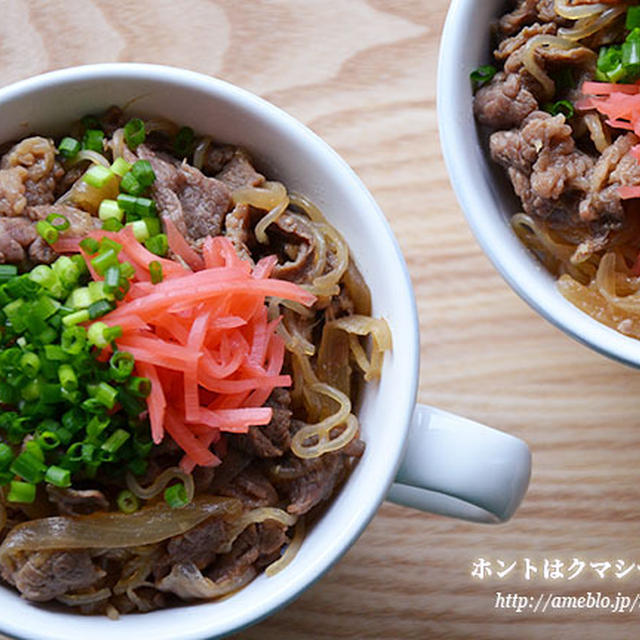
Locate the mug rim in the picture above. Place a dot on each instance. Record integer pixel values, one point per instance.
(175, 76)
(474, 185)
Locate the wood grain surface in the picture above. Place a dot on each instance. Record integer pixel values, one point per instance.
(362, 74)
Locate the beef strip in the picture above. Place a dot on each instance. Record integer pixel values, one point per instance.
(16, 234)
(548, 172)
(293, 240)
(272, 440)
(527, 12)
(257, 543)
(238, 227)
(196, 204)
(12, 191)
(199, 546)
(37, 156)
(216, 157)
(80, 222)
(46, 575)
(252, 488)
(505, 102)
(75, 502)
(238, 172)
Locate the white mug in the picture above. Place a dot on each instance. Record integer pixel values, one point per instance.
(439, 462)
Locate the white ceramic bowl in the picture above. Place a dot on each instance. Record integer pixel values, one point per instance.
(484, 192)
(467, 470)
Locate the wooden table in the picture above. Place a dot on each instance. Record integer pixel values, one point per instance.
(362, 74)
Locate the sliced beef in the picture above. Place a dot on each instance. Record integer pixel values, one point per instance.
(318, 479)
(216, 157)
(16, 234)
(504, 103)
(548, 172)
(75, 502)
(12, 191)
(196, 204)
(239, 229)
(258, 544)
(274, 439)
(252, 488)
(238, 172)
(527, 12)
(199, 545)
(615, 167)
(38, 157)
(80, 222)
(46, 575)
(293, 240)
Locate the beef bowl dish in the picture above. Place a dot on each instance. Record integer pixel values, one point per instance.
(540, 254)
(183, 343)
(560, 102)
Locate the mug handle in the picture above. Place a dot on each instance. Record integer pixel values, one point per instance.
(459, 468)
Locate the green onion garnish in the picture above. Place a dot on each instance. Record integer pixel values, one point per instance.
(155, 271)
(69, 147)
(127, 501)
(90, 246)
(176, 496)
(57, 220)
(140, 230)
(482, 75)
(121, 365)
(97, 176)
(140, 387)
(633, 18)
(134, 133)
(142, 171)
(7, 272)
(58, 476)
(23, 492)
(158, 244)
(47, 231)
(183, 142)
(120, 166)
(130, 185)
(109, 209)
(93, 140)
(564, 107)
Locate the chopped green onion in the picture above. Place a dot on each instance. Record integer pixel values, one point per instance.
(112, 278)
(121, 365)
(23, 492)
(68, 147)
(109, 209)
(30, 364)
(100, 308)
(153, 226)
(108, 243)
(104, 393)
(97, 176)
(127, 203)
(67, 377)
(90, 245)
(7, 271)
(73, 340)
(93, 140)
(47, 231)
(145, 207)
(140, 230)
(130, 184)
(116, 440)
(67, 270)
(58, 476)
(134, 133)
(633, 18)
(482, 75)
(183, 142)
(6, 455)
(127, 501)
(101, 335)
(127, 270)
(112, 224)
(74, 452)
(176, 496)
(80, 298)
(140, 387)
(564, 107)
(78, 317)
(48, 440)
(33, 448)
(28, 467)
(142, 171)
(104, 260)
(58, 221)
(120, 167)
(155, 271)
(158, 244)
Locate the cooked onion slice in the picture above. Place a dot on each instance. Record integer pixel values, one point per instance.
(160, 483)
(114, 530)
(290, 552)
(574, 10)
(188, 583)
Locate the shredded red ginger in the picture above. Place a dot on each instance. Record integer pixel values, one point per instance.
(620, 103)
(203, 339)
